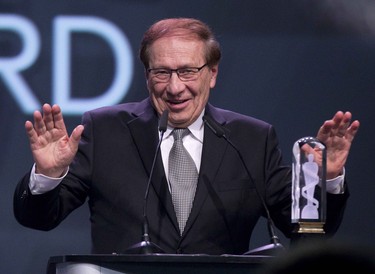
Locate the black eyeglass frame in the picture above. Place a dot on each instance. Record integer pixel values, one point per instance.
(192, 70)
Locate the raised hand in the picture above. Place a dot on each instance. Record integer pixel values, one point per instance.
(338, 134)
(51, 146)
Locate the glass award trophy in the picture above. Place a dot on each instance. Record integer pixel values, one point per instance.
(309, 186)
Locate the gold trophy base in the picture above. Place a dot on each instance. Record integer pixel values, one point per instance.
(309, 227)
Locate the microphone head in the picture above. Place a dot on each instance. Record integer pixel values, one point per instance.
(163, 122)
(214, 126)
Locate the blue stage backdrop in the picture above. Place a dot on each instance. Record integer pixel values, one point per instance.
(291, 63)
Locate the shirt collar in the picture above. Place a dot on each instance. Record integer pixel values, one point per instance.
(195, 128)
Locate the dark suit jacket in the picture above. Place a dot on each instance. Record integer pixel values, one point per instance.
(111, 172)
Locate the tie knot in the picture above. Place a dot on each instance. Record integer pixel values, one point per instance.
(179, 133)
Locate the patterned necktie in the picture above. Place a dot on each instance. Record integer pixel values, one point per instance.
(183, 177)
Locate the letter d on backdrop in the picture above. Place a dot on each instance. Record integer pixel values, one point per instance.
(64, 26)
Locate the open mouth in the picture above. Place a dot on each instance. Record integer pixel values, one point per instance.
(178, 104)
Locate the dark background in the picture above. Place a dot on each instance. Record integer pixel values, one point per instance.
(291, 63)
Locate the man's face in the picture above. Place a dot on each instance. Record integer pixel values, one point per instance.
(185, 100)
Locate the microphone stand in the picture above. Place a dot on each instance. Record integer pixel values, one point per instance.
(146, 246)
(275, 246)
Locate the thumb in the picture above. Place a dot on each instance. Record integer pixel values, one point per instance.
(75, 137)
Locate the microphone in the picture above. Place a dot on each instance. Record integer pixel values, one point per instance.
(275, 244)
(146, 246)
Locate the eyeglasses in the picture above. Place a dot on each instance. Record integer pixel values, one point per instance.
(184, 74)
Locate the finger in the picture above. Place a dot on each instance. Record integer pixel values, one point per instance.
(47, 117)
(75, 137)
(31, 133)
(77, 133)
(58, 118)
(39, 126)
(343, 123)
(352, 130)
(325, 131)
(337, 119)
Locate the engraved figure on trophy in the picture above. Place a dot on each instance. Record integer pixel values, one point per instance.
(310, 173)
